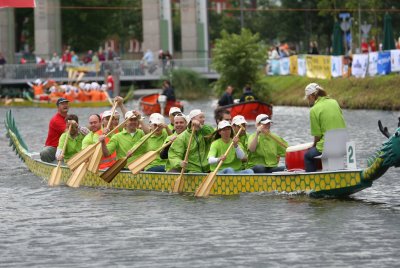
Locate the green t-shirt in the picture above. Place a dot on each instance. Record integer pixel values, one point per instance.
(152, 144)
(325, 115)
(89, 139)
(218, 148)
(74, 145)
(267, 151)
(123, 141)
(197, 161)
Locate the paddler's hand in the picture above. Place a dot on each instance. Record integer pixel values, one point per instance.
(184, 164)
(196, 124)
(173, 138)
(222, 158)
(60, 157)
(102, 138)
(235, 141)
(119, 100)
(137, 114)
(259, 130)
(105, 131)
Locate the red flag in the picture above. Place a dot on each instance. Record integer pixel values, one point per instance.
(17, 3)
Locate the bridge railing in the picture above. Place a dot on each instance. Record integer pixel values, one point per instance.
(127, 69)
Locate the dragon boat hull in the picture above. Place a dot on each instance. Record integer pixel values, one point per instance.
(249, 109)
(317, 184)
(149, 104)
(48, 104)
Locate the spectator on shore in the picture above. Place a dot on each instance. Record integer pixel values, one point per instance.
(364, 46)
(2, 59)
(372, 44)
(313, 48)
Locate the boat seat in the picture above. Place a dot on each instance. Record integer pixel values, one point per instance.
(333, 156)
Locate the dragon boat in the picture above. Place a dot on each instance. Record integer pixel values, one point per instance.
(249, 109)
(29, 102)
(316, 184)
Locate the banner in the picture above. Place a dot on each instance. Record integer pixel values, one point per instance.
(395, 60)
(318, 66)
(359, 65)
(293, 65)
(384, 63)
(373, 64)
(337, 66)
(275, 67)
(284, 66)
(17, 3)
(301, 66)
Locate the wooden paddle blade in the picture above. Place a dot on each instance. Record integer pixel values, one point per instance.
(55, 176)
(94, 161)
(205, 187)
(142, 162)
(77, 176)
(178, 184)
(81, 157)
(113, 171)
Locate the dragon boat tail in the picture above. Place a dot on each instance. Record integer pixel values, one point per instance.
(317, 184)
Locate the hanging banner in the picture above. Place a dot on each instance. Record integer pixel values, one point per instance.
(284, 66)
(293, 65)
(373, 63)
(301, 66)
(384, 63)
(395, 60)
(336, 66)
(17, 3)
(359, 65)
(318, 66)
(275, 67)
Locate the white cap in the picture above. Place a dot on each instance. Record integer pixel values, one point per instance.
(194, 113)
(130, 114)
(38, 81)
(263, 119)
(95, 85)
(105, 114)
(184, 117)
(238, 120)
(81, 85)
(103, 87)
(87, 86)
(312, 88)
(174, 110)
(223, 124)
(156, 118)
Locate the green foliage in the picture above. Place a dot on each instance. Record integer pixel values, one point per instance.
(88, 28)
(237, 58)
(189, 84)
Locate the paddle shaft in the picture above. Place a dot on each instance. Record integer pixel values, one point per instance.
(178, 182)
(277, 140)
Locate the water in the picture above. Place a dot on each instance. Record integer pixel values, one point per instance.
(84, 227)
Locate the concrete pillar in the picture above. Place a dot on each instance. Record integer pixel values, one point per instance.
(194, 27)
(47, 28)
(7, 33)
(151, 25)
(157, 25)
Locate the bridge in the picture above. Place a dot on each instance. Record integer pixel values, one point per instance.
(124, 70)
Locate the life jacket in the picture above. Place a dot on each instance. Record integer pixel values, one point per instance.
(108, 161)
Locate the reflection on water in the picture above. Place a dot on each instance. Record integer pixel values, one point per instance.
(53, 227)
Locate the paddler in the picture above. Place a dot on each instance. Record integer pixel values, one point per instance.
(173, 111)
(180, 124)
(325, 114)
(74, 143)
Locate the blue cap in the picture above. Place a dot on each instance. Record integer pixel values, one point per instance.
(61, 100)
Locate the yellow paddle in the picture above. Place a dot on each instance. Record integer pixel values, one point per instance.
(55, 176)
(77, 175)
(98, 153)
(178, 185)
(86, 153)
(143, 161)
(110, 173)
(277, 140)
(205, 187)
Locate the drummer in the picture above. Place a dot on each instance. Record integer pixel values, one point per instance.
(325, 114)
(264, 148)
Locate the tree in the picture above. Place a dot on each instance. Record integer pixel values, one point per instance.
(238, 58)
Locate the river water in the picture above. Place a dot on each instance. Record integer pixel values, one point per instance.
(85, 227)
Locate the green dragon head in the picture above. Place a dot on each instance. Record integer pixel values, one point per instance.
(390, 150)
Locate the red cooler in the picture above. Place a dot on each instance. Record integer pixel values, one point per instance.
(295, 156)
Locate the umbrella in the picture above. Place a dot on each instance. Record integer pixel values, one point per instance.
(388, 40)
(337, 40)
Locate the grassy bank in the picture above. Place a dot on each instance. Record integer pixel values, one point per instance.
(382, 92)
